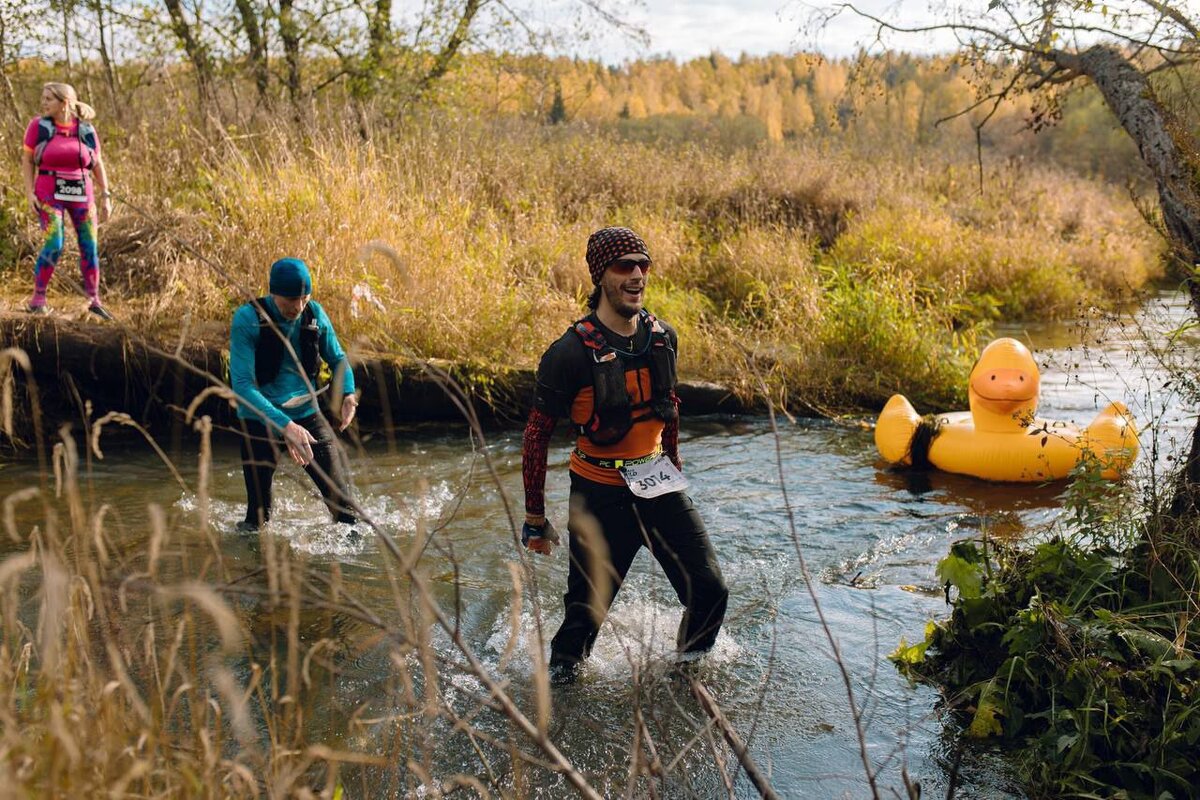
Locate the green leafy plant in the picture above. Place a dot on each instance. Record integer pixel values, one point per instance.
(1073, 655)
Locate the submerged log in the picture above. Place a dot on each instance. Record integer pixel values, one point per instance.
(113, 368)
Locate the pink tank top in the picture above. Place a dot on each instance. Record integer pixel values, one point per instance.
(67, 158)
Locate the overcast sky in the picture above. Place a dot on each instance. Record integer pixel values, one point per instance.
(689, 28)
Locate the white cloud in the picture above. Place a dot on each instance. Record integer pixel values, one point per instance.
(686, 29)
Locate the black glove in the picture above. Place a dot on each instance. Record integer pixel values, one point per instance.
(539, 538)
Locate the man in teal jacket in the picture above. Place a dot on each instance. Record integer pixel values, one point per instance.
(275, 348)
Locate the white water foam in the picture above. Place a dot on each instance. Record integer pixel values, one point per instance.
(639, 629)
(299, 516)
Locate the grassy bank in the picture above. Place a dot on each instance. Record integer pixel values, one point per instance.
(838, 279)
(1080, 654)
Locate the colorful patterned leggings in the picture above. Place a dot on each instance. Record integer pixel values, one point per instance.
(51, 214)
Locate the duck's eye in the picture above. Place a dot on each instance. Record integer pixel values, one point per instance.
(993, 377)
(1022, 379)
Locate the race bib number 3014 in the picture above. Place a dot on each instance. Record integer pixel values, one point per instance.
(656, 478)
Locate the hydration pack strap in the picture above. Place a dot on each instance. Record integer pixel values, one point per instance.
(662, 373)
(590, 335)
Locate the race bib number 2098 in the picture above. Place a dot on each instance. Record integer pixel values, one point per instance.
(70, 190)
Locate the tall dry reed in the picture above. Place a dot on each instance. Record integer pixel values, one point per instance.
(458, 237)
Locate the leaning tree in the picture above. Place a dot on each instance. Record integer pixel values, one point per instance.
(1137, 54)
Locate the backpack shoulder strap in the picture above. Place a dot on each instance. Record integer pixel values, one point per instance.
(87, 135)
(44, 135)
(262, 311)
(652, 322)
(590, 334)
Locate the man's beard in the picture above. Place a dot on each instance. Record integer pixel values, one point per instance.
(616, 299)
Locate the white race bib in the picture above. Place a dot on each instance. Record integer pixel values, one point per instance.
(655, 478)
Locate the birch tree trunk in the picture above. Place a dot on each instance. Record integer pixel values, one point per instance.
(110, 75)
(289, 34)
(10, 96)
(1161, 141)
(194, 49)
(257, 48)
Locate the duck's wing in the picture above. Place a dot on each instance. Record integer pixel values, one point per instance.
(895, 428)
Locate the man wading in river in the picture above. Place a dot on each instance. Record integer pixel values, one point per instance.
(276, 398)
(612, 374)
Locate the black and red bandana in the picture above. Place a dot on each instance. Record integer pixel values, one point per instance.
(607, 245)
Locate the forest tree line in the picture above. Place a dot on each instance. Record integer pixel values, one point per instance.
(239, 61)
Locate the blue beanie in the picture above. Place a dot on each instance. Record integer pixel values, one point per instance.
(290, 278)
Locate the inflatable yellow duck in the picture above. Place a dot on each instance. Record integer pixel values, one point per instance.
(1000, 438)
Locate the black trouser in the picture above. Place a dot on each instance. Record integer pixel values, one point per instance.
(328, 468)
(673, 531)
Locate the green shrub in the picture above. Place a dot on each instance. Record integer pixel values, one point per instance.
(878, 336)
(1081, 653)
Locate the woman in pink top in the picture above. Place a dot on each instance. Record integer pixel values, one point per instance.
(60, 163)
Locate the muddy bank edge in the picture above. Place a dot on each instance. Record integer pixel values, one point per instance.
(155, 381)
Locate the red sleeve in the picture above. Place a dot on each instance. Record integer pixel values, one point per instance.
(670, 438)
(31, 134)
(534, 452)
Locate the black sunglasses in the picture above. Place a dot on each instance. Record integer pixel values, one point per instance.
(624, 266)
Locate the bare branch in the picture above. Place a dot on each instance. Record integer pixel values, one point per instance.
(956, 27)
(1046, 37)
(633, 31)
(1144, 41)
(995, 97)
(735, 742)
(441, 63)
(1175, 15)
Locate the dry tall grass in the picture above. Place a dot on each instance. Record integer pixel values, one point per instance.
(469, 235)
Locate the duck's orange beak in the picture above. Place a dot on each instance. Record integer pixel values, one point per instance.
(1004, 384)
(1004, 389)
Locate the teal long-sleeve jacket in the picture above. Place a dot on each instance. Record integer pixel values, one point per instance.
(264, 403)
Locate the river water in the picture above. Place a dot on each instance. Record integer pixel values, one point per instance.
(870, 538)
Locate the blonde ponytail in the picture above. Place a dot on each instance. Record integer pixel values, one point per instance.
(65, 92)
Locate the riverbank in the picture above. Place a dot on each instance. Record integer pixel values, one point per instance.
(157, 381)
(835, 276)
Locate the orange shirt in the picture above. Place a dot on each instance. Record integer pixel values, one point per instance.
(644, 438)
(564, 389)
